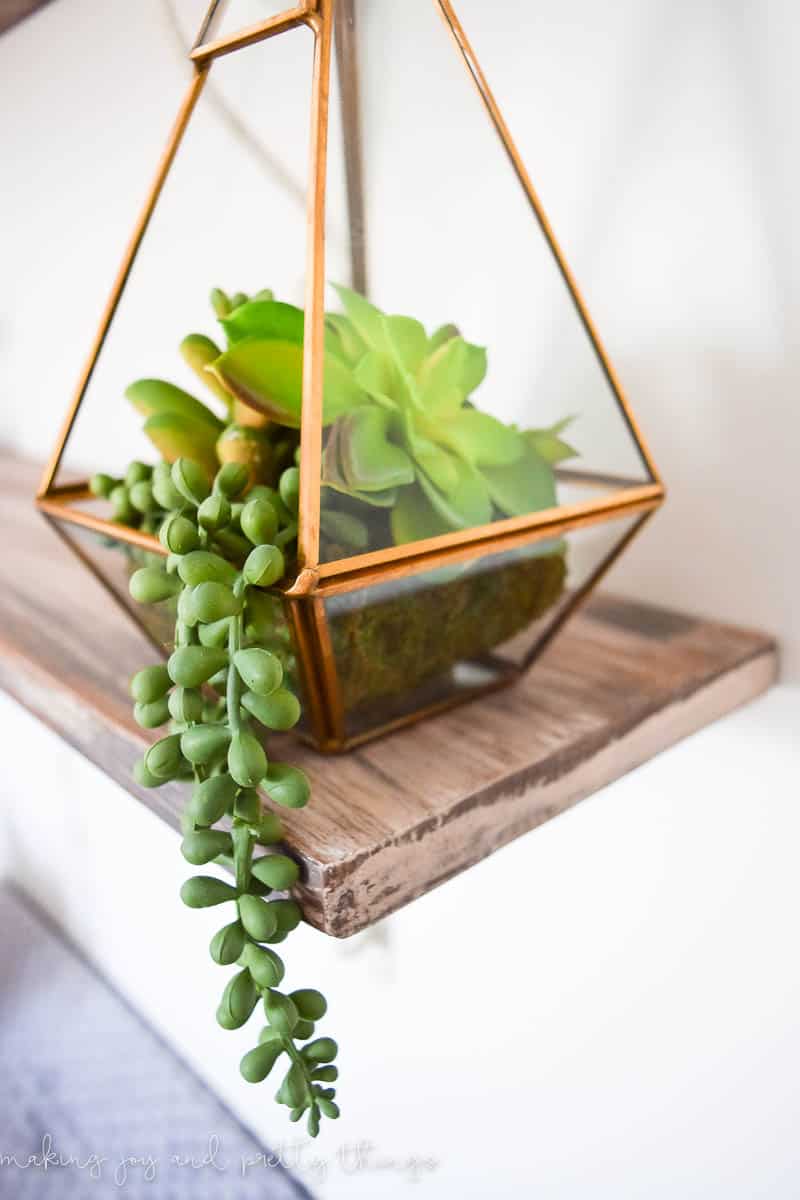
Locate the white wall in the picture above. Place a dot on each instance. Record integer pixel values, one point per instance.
(659, 136)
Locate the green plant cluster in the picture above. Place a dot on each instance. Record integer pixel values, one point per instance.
(219, 685)
(407, 453)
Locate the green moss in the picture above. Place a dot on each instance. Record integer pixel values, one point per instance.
(389, 646)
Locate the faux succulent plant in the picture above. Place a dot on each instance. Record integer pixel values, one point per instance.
(403, 440)
(402, 432)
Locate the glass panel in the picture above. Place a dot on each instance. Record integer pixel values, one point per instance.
(439, 636)
(231, 215)
(232, 16)
(113, 561)
(454, 411)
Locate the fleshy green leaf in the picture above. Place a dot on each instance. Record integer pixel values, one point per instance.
(268, 375)
(369, 461)
(468, 504)
(151, 396)
(177, 436)
(473, 371)
(408, 340)
(549, 445)
(481, 439)
(341, 338)
(413, 518)
(367, 320)
(265, 319)
(525, 486)
(199, 351)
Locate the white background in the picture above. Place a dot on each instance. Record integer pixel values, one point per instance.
(606, 1009)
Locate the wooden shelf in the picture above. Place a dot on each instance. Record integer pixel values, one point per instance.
(395, 818)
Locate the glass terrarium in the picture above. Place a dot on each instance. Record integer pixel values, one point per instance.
(390, 310)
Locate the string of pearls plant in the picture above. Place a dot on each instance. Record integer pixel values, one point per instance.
(224, 678)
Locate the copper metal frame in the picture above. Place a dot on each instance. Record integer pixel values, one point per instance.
(305, 595)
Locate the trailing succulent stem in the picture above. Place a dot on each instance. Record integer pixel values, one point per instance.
(224, 679)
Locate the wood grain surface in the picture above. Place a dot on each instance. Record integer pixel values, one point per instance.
(395, 818)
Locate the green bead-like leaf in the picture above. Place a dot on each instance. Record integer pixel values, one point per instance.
(150, 716)
(203, 744)
(231, 479)
(215, 601)
(144, 777)
(151, 683)
(203, 566)
(164, 758)
(149, 585)
(206, 891)
(264, 566)
(259, 521)
(186, 705)
(323, 1050)
(164, 491)
(281, 1012)
(227, 944)
(257, 1063)
(287, 785)
(192, 665)
(277, 871)
(288, 913)
(211, 798)
(247, 761)
(260, 670)
(178, 534)
(310, 1004)
(216, 633)
(264, 965)
(258, 918)
(191, 480)
(238, 1001)
(214, 513)
(270, 829)
(279, 711)
(202, 846)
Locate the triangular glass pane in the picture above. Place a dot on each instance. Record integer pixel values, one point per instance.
(228, 17)
(232, 215)
(485, 399)
(424, 640)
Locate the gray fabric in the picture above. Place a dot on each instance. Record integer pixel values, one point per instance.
(78, 1066)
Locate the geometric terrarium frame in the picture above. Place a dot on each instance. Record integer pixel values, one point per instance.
(459, 587)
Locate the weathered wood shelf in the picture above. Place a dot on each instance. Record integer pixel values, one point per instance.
(395, 818)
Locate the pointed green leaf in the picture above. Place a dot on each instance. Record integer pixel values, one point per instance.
(342, 339)
(413, 518)
(408, 340)
(468, 504)
(549, 445)
(481, 439)
(525, 486)
(369, 461)
(265, 319)
(367, 320)
(442, 335)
